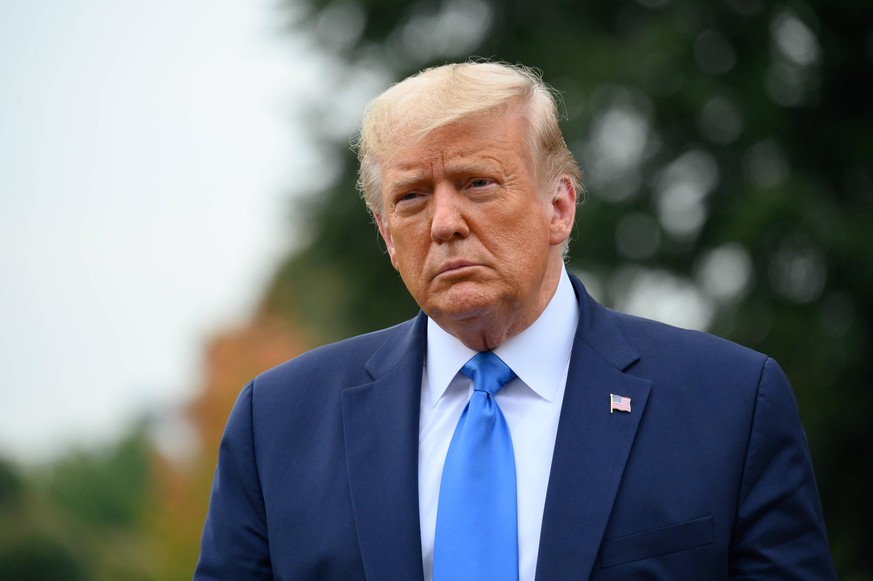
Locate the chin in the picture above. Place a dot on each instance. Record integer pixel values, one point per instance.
(461, 304)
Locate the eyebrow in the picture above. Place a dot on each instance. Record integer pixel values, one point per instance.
(407, 180)
(483, 164)
(409, 175)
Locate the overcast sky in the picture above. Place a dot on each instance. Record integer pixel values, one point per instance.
(146, 155)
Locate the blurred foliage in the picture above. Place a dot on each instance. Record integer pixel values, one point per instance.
(39, 558)
(11, 485)
(80, 518)
(727, 146)
(102, 489)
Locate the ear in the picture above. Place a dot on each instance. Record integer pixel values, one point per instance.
(563, 206)
(386, 236)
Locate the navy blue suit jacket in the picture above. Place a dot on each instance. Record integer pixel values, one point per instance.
(708, 477)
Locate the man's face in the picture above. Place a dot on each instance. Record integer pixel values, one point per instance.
(469, 228)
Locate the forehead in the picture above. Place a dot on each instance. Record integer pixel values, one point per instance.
(485, 142)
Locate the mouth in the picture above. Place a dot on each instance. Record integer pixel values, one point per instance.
(455, 267)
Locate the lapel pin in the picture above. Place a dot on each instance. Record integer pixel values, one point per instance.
(619, 402)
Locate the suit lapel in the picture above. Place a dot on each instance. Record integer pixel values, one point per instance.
(592, 445)
(380, 422)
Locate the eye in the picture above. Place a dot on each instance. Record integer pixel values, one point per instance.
(408, 197)
(481, 182)
(408, 200)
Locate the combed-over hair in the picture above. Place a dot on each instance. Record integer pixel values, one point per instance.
(442, 95)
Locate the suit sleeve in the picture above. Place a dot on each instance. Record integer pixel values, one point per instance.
(234, 544)
(780, 531)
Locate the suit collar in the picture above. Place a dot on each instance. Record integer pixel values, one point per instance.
(380, 423)
(598, 330)
(407, 341)
(592, 445)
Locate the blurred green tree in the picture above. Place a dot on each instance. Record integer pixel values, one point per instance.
(727, 147)
(103, 488)
(11, 485)
(39, 557)
(81, 517)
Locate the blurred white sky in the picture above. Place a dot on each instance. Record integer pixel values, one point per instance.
(146, 153)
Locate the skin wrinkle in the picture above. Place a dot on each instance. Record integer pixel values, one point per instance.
(415, 178)
(475, 237)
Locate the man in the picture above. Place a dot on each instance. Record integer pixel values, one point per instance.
(635, 450)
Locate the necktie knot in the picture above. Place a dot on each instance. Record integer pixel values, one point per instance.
(488, 372)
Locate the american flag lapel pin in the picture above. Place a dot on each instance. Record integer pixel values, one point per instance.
(619, 402)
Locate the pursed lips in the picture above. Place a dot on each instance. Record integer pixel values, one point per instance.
(454, 266)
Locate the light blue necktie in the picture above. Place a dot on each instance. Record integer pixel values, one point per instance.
(477, 520)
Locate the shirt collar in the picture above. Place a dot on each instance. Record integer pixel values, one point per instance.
(538, 355)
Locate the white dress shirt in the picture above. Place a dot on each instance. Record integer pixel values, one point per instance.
(531, 403)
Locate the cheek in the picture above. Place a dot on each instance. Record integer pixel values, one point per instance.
(409, 255)
(526, 233)
(524, 246)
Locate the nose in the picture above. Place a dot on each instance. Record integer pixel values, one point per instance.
(448, 221)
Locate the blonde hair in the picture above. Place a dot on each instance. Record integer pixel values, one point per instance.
(438, 96)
